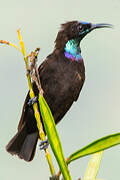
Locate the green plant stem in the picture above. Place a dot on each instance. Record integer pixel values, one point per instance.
(39, 124)
(35, 106)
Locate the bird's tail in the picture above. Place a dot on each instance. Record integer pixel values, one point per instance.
(23, 144)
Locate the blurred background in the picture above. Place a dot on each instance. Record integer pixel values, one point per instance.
(97, 111)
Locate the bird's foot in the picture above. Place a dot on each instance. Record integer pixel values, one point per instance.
(44, 144)
(32, 101)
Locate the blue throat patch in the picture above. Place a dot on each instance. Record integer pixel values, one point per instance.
(72, 50)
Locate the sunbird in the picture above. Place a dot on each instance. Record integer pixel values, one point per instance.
(62, 75)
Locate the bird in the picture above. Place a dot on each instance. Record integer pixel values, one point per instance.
(62, 75)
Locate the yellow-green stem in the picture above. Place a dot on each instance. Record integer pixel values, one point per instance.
(35, 106)
(37, 117)
(49, 159)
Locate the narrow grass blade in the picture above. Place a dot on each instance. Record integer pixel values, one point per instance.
(53, 137)
(96, 146)
(93, 166)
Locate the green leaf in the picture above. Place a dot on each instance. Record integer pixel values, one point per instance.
(96, 146)
(93, 166)
(53, 137)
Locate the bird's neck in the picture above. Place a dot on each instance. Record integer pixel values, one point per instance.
(72, 50)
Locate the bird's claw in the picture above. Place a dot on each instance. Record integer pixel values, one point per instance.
(32, 101)
(44, 144)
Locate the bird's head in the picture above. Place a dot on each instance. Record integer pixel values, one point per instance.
(71, 33)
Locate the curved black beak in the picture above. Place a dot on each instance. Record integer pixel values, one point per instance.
(102, 25)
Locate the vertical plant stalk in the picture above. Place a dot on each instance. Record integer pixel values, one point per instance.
(35, 106)
(93, 166)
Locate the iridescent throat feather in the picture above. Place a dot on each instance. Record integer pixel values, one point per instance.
(72, 50)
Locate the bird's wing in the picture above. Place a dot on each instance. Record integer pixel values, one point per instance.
(78, 84)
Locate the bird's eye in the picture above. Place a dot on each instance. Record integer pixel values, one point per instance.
(80, 28)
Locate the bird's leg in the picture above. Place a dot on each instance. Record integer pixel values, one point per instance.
(32, 101)
(44, 144)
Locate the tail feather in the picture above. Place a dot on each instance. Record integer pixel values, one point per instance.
(23, 144)
(29, 146)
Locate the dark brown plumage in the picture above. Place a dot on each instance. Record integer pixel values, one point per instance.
(62, 75)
